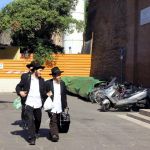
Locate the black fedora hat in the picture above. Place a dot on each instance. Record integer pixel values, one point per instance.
(55, 71)
(31, 64)
(37, 66)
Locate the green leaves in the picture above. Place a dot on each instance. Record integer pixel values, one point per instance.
(45, 49)
(31, 14)
(32, 22)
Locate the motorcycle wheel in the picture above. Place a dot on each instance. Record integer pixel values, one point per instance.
(135, 108)
(147, 106)
(91, 98)
(98, 100)
(95, 96)
(105, 107)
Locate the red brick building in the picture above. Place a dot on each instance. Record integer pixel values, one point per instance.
(120, 26)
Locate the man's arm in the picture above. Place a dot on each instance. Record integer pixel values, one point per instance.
(20, 88)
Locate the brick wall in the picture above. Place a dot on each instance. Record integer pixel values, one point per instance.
(109, 27)
(138, 54)
(116, 24)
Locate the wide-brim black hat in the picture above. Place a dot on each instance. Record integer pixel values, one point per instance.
(55, 71)
(31, 64)
(37, 66)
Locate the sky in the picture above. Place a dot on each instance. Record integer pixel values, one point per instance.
(3, 3)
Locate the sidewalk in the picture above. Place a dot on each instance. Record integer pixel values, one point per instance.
(89, 130)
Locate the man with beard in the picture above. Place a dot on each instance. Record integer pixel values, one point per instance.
(32, 90)
(25, 76)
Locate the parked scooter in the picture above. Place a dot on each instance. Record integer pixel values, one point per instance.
(97, 93)
(117, 96)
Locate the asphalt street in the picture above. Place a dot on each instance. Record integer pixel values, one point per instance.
(90, 129)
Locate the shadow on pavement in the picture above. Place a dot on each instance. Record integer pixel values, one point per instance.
(79, 97)
(17, 122)
(21, 133)
(43, 133)
(117, 110)
(5, 102)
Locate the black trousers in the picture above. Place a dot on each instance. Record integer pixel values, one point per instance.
(22, 113)
(23, 117)
(34, 120)
(54, 123)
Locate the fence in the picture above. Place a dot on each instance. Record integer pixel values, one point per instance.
(71, 64)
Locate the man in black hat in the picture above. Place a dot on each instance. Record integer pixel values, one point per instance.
(32, 90)
(30, 67)
(56, 89)
(24, 76)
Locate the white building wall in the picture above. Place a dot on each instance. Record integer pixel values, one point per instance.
(8, 85)
(73, 42)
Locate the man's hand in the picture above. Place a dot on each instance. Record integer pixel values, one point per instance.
(23, 93)
(49, 93)
(67, 108)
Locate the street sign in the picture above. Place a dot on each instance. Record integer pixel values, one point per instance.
(1, 66)
(145, 16)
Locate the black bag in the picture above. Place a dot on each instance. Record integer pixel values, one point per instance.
(64, 122)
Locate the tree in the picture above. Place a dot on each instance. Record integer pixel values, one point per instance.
(33, 22)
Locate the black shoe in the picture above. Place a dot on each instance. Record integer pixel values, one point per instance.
(50, 135)
(32, 142)
(29, 138)
(55, 138)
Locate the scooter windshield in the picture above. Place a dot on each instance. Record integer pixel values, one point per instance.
(111, 82)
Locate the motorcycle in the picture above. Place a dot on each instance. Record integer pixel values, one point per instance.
(118, 96)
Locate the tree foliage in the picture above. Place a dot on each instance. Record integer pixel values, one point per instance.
(32, 22)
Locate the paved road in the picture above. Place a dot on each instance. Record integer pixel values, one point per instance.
(89, 130)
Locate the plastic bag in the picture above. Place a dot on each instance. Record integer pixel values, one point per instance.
(48, 104)
(17, 103)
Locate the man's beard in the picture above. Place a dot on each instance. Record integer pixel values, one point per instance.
(37, 74)
(57, 80)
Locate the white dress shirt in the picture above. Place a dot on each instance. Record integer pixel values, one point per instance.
(57, 98)
(34, 97)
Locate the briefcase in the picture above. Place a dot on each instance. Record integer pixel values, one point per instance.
(64, 122)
